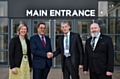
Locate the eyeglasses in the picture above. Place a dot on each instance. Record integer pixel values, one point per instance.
(42, 28)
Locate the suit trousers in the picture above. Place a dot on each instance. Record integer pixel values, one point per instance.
(41, 73)
(99, 76)
(69, 70)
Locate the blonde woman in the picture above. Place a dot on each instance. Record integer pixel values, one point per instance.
(20, 55)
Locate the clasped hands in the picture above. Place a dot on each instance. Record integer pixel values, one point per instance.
(49, 55)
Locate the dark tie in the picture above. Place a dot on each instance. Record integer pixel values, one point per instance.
(43, 41)
(93, 41)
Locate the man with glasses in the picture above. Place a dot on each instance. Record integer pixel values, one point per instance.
(40, 45)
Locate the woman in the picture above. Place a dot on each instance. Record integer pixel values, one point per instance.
(20, 55)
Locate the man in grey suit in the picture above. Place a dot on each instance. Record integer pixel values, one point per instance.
(70, 47)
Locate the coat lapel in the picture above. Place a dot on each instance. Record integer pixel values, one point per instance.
(19, 43)
(47, 42)
(90, 43)
(39, 41)
(70, 40)
(99, 40)
(62, 42)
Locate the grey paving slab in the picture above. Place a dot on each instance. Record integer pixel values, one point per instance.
(56, 73)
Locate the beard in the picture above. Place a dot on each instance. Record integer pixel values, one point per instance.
(94, 34)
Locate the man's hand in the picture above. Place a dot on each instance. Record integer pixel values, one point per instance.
(86, 72)
(109, 73)
(14, 71)
(80, 67)
(49, 55)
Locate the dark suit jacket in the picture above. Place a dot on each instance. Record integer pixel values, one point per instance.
(76, 49)
(15, 52)
(39, 52)
(102, 58)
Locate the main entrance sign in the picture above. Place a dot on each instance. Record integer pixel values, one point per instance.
(53, 8)
(60, 13)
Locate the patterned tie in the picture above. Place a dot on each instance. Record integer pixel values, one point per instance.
(66, 42)
(93, 42)
(67, 54)
(43, 41)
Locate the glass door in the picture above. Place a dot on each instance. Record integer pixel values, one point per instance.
(84, 29)
(4, 41)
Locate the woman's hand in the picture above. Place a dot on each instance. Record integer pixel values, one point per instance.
(14, 71)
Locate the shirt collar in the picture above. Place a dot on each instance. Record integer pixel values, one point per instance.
(98, 35)
(40, 35)
(67, 34)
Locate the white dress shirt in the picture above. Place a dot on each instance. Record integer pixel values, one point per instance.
(68, 34)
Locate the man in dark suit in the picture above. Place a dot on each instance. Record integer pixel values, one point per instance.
(40, 45)
(99, 54)
(70, 47)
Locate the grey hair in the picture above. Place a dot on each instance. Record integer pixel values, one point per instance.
(65, 22)
(19, 27)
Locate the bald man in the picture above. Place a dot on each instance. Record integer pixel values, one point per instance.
(99, 55)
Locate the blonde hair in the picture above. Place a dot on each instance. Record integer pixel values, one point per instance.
(19, 27)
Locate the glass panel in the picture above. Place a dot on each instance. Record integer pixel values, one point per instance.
(58, 33)
(103, 23)
(118, 26)
(3, 8)
(112, 8)
(47, 26)
(112, 24)
(108, 8)
(3, 57)
(84, 29)
(117, 59)
(3, 25)
(102, 8)
(113, 40)
(3, 42)
(118, 12)
(117, 44)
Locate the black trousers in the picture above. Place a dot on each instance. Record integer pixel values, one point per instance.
(99, 76)
(41, 73)
(69, 70)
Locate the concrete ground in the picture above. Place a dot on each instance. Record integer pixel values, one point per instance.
(55, 73)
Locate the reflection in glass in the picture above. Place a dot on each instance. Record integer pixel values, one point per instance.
(118, 26)
(47, 26)
(111, 26)
(3, 57)
(103, 23)
(3, 8)
(117, 59)
(3, 25)
(102, 8)
(118, 13)
(117, 46)
(3, 42)
(112, 8)
(84, 29)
